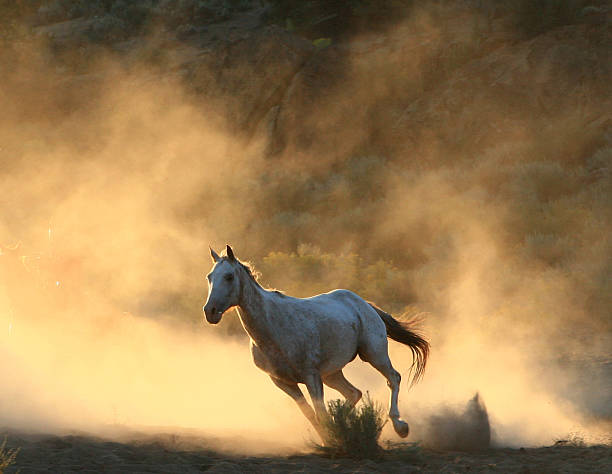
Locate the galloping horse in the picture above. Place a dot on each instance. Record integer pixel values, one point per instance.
(310, 340)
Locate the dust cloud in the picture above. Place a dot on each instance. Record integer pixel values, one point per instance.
(466, 431)
(101, 297)
(115, 182)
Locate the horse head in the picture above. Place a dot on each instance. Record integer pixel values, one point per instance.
(223, 285)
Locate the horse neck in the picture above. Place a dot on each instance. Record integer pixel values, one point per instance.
(251, 308)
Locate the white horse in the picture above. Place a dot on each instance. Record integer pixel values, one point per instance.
(310, 340)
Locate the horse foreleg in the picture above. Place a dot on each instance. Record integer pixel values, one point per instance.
(338, 382)
(294, 392)
(314, 384)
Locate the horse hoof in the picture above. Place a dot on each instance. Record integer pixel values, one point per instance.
(401, 427)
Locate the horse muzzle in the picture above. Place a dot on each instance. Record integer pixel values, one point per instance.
(213, 315)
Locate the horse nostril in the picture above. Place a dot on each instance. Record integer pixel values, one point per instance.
(213, 310)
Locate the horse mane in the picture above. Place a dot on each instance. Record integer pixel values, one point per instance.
(250, 269)
(253, 273)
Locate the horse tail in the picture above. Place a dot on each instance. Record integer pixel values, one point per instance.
(401, 331)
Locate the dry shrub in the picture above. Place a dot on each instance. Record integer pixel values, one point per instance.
(7, 456)
(353, 431)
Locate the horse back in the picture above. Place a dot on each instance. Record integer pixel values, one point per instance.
(345, 320)
(323, 332)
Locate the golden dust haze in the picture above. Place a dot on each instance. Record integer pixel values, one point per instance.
(115, 180)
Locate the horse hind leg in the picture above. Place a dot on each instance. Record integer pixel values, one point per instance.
(378, 357)
(338, 382)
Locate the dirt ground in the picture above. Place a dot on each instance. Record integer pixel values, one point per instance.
(171, 453)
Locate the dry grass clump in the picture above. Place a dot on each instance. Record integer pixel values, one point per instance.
(7, 456)
(353, 431)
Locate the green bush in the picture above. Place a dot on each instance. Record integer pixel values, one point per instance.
(353, 431)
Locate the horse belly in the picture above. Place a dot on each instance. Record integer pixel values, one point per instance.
(338, 349)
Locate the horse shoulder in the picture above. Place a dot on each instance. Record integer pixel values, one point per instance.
(292, 335)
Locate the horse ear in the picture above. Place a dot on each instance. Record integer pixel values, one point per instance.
(230, 253)
(214, 255)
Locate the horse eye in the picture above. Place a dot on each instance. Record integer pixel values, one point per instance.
(229, 277)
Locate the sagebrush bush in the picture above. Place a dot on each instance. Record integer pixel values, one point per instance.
(353, 431)
(7, 456)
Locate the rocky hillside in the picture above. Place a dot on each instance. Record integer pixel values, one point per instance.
(400, 137)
